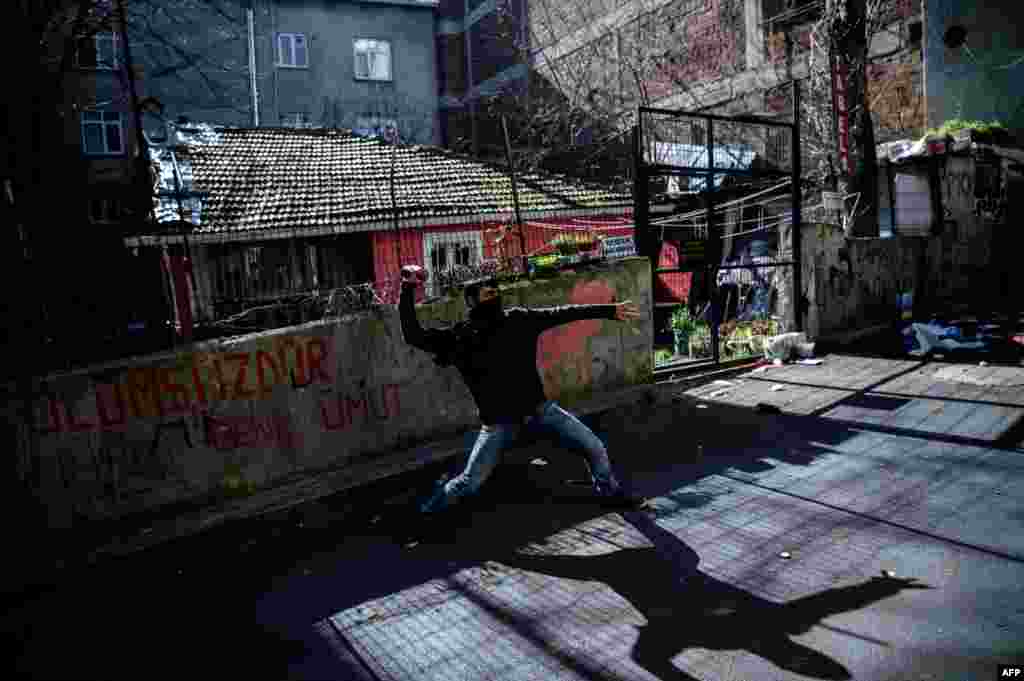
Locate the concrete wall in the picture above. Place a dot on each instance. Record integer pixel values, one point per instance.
(852, 284)
(230, 417)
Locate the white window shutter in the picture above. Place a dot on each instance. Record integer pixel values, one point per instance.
(385, 61)
(284, 52)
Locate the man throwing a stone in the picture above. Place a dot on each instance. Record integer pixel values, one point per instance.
(495, 350)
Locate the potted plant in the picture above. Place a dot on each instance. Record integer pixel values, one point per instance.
(566, 245)
(683, 326)
(587, 243)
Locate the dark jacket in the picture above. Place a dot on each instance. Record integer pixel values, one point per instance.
(498, 362)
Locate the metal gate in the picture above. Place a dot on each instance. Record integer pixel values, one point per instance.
(716, 201)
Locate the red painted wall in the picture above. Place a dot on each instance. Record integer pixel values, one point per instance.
(391, 252)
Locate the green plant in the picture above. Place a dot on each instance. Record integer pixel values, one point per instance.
(662, 356)
(956, 124)
(566, 245)
(683, 321)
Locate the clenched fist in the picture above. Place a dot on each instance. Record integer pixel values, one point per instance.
(413, 275)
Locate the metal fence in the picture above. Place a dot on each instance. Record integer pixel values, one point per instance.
(725, 185)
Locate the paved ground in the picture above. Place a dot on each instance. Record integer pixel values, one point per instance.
(537, 584)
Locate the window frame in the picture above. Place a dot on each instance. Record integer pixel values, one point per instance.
(115, 40)
(104, 122)
(355, 60)
(279, 52)
(295, 123)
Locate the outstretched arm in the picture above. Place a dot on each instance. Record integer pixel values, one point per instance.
(547, 318)
(430, 340)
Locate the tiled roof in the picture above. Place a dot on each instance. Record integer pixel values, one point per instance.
(274, 178)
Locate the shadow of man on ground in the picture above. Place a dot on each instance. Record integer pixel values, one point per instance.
(685, 608)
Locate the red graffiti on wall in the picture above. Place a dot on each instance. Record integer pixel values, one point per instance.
(156, 392)
(233, 432)
(571, 339)
(344, 412)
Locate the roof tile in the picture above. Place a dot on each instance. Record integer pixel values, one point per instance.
(270, 177)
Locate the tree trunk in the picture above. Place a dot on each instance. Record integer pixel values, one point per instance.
(852, 52)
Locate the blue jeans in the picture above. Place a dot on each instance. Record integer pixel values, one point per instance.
(493, 440)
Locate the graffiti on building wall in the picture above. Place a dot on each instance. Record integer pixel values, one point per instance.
(568, 342)
(347, 411)
(227, 433)
(202, 380)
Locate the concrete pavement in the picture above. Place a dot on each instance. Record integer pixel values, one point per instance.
(762, 558)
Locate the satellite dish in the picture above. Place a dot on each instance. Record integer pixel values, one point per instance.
(955, 37)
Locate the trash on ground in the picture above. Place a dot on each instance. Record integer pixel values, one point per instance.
(719, 393)
(811, 362)
(539, 462)
(776, 388)
(721, 382)
(760, 369)
(888, 573)
(702, 406)
(777, 362)
(788, 345)
(983, 364)
(785, 554)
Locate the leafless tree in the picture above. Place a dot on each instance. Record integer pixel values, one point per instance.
(596, 62)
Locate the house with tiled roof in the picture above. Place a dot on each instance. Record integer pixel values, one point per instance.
(266, 211)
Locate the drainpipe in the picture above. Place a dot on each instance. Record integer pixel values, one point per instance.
(252, 71)
(142, 165)
(468, 42)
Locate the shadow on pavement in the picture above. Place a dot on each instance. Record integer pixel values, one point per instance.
(237, 603)
(685, 608)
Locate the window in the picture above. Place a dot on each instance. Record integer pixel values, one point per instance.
(296, 120)
(375, 126)
(103, 210)
(101, 133)
(372, 59)
(291, 50)
(97, 52)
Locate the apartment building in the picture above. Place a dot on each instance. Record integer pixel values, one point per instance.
(716, 55)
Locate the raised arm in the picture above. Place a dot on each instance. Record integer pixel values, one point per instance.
(436, 341)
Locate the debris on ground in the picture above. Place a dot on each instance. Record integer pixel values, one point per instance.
(788, 346)
(785, 554)
(539, 462)
(777, 387)
(811, 362)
